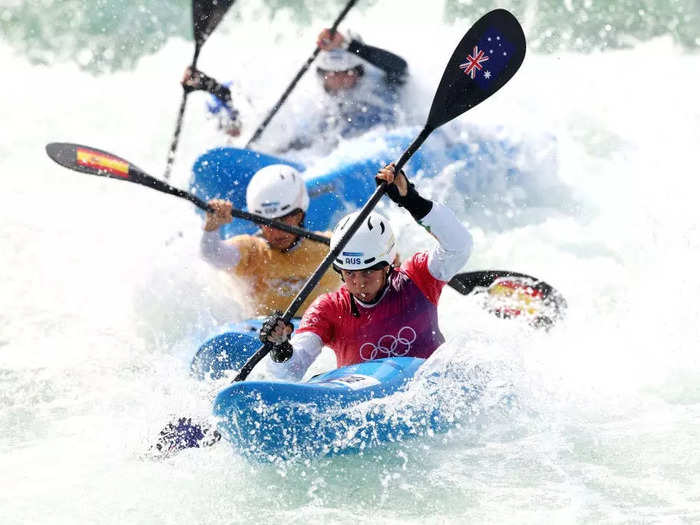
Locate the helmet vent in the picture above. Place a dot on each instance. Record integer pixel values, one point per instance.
(369, 223)
(383, 228)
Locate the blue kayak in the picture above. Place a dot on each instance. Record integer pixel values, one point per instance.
(347, 410)
(343, 182)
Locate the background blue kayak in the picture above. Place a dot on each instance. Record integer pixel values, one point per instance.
(344, 184)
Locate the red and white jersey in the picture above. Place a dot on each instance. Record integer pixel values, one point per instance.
(402, 323)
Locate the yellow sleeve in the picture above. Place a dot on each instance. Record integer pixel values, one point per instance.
(254, 253)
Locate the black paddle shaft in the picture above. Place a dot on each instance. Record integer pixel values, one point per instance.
(296, 79)
(460, 89)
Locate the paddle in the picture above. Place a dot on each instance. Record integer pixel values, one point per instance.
(512, 294)
(206, 15)
(296, 79)
(97, 162)
(497, 38)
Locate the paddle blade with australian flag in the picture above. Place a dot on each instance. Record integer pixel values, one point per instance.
(486, 58)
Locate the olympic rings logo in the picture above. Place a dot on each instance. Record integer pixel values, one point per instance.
(389, 346)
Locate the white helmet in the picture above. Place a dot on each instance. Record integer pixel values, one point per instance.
(276, 191)
(337, 60)
(372, 243)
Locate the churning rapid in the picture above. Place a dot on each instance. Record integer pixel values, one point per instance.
(104, 299)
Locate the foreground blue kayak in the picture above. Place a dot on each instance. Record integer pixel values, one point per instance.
(347, 410)
(270, 420)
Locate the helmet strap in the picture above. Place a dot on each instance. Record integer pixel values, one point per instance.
(353, 307)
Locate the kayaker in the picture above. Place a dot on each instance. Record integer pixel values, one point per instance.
(274, 265)
(360, 99)
(381, 310)
(220, 105)
(357, 100)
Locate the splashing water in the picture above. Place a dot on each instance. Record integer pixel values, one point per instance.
(103, 298)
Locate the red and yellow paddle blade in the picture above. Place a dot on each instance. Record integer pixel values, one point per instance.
(88, 160)
(511, 297)
(91, 159)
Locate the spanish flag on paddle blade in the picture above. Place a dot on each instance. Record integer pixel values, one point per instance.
(100, 161)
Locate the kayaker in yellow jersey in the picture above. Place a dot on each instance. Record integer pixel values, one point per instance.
(273, 265)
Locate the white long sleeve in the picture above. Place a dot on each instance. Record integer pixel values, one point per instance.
(455, 242)
(218, 253)
(307, 347)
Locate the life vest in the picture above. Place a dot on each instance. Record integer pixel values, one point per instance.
(273, 278)
(403, 323)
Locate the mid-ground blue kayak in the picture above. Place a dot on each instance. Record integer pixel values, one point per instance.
(343, 182)
(350, 409)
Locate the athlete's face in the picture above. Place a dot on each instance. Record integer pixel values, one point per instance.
(278, 239)
(365, 284)
(336, 81)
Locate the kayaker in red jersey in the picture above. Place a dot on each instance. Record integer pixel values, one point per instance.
(381, 310)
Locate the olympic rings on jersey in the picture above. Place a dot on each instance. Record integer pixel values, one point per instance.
(389, 346)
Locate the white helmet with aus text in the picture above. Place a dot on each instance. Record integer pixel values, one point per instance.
(372, 243)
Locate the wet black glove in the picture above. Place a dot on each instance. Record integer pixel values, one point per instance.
(201, 81)
(281, 347)
(416, 205)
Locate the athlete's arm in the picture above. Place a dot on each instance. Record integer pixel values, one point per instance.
(455, 241)
(306, 348)
(393, 65)
(213, 250)
(196, 80)
(218, 253)
(306, 343)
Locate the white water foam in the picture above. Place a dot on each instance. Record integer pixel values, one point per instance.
(104, 298)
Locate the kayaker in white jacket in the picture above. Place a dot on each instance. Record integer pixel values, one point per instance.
(357, 99)
(381, 310)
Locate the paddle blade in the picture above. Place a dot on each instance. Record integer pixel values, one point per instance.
(89, 160)
(206, 15)
(487, 57)
(513, 295)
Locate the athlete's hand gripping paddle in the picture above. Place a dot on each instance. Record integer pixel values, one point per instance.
(485, 59)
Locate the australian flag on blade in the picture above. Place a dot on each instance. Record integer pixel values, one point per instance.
(488, 58)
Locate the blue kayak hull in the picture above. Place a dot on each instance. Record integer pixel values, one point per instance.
(332, 413)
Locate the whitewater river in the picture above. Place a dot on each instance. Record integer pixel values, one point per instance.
(103, 297)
